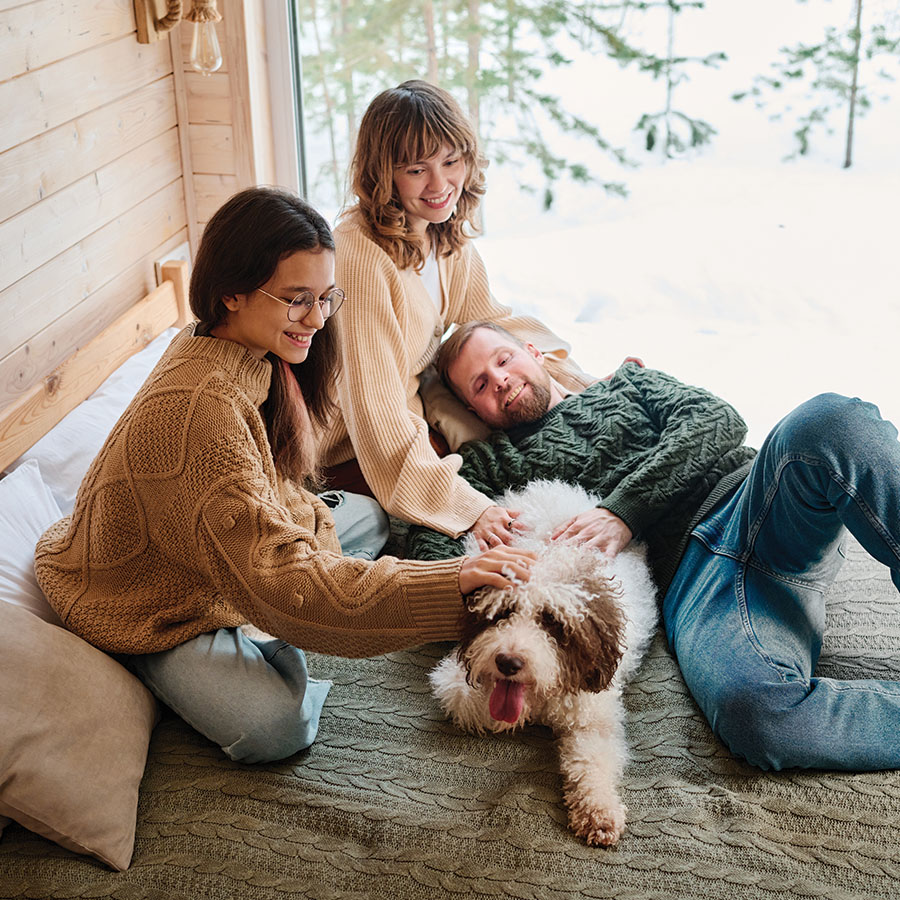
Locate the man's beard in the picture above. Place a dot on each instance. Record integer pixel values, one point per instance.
(532, 407)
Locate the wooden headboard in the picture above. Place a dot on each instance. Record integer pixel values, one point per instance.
(30, 417)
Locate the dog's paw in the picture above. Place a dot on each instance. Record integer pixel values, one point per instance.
(598, 826)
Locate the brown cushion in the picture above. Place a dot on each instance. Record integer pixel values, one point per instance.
(74, 731)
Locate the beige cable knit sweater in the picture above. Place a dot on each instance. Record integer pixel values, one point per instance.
(390, 331)
(181, 527)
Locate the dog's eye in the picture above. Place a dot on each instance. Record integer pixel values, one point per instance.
(553, 627)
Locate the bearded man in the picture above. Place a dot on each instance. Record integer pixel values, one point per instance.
(743, 546)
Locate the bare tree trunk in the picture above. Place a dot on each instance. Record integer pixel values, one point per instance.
(349, 94)
(848, 158)
(510, 49)
(431, 42)
(670, 55)
(445, 35)
(474, 45)
(474, 100)
(329, 103)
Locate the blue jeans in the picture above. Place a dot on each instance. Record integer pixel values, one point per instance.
(745, 613)
(254, 697)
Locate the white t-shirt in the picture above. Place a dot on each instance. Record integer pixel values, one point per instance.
(431, 278)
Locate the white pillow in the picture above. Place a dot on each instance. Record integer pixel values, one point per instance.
(27, 509)
(66, 452)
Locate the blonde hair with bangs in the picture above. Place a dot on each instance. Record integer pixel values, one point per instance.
(405, 124)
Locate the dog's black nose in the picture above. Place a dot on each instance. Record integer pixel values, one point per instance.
(507, 665)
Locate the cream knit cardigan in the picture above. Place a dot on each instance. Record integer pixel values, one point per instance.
(390, 331)
(181, 527)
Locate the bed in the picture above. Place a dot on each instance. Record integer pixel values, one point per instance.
(103, 793)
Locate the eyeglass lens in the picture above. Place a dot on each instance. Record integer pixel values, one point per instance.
(303, 303)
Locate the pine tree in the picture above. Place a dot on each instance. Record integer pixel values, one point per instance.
(473, 47)
(493, 55)
(829, 70)
(521, 41)
(671, 130)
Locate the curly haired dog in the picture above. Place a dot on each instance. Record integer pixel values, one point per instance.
(557, 651)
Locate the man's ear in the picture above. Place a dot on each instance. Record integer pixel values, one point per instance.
(534, 352)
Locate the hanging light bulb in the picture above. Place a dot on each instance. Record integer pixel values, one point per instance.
(206, 54)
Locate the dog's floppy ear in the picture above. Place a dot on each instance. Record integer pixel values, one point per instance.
(594, 647)
(473, 621)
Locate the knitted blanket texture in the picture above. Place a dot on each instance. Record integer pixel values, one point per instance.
(393, 802)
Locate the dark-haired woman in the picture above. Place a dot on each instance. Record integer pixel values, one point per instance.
(197, 515)
(405, 257)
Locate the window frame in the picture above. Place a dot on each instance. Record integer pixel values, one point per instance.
(285, 75)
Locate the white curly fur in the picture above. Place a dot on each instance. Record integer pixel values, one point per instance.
(565, 579)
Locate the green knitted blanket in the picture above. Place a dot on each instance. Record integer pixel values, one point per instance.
(393, 802)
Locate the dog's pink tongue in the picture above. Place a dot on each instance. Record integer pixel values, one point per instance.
(506, 700)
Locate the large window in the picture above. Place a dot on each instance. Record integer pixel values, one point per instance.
(672, 174)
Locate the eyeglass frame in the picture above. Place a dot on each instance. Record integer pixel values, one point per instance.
(307, 305)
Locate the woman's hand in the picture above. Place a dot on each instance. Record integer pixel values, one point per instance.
(596, 528)
(501, 567)
(494, 527)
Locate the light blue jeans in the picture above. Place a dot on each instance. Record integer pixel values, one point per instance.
(254, 698)
(745, 613)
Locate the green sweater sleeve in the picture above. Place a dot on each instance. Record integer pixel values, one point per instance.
(487, 468)
(695, 428)
(427, 544)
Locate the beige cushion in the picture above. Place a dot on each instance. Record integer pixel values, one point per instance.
(74, 731)
(445, 412)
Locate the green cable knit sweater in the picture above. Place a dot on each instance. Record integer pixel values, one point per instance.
(660, 453)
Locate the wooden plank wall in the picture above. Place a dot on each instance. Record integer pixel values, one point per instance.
(228, 111)
(97, 134)
(91, 186)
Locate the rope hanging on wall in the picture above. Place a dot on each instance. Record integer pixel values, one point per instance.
(172, 16)
(202, 11)
(154, 18)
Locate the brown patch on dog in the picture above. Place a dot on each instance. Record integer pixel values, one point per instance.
(592, 648)
(472, 624)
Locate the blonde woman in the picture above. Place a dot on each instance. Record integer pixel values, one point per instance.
(406, 258)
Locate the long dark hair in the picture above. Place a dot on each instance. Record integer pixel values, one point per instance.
(242, 245)
(410, 122)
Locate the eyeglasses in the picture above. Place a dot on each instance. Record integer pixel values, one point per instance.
(300, 307)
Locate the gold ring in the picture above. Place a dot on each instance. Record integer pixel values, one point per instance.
(509, 524)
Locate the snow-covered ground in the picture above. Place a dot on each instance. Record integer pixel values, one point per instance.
(764, 285)
(765, 281)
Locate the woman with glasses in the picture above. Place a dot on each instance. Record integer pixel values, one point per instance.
(406, 260)
(199, 513)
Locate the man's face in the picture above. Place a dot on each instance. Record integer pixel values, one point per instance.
(502, 382)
